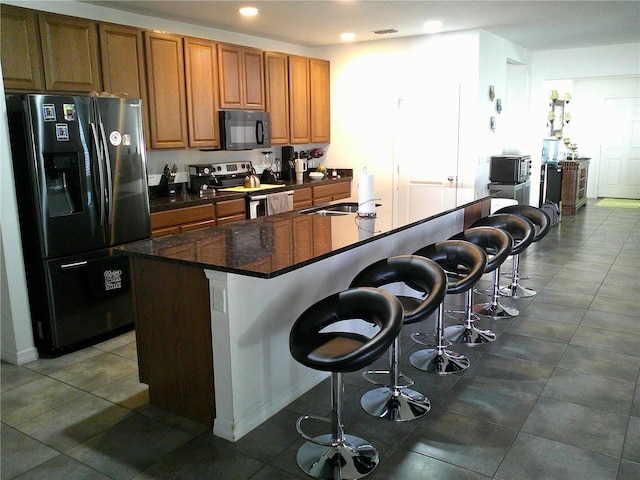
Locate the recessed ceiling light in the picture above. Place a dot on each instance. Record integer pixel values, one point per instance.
(347, 37)
(248, 11)
(433, 26)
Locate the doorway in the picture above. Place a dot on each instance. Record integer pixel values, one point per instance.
(426, 147)
(619, 170)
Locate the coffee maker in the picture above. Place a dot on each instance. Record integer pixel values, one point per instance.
(288, 163)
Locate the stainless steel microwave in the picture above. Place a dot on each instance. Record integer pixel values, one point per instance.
(244, 129)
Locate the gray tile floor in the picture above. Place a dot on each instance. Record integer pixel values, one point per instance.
(554, 397)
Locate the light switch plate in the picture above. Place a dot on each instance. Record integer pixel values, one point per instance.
(219, 299)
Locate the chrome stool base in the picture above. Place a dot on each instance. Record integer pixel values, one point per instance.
(399, 405)
(517, 291)
(469, 335)
(495, 311)
(439, 360)
(349, 459)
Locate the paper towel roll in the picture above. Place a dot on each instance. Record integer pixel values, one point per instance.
(366, 194)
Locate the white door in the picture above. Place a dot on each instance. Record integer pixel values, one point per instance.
(426, 139)
(619, 172)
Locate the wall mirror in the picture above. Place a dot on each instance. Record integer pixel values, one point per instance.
(557, 108)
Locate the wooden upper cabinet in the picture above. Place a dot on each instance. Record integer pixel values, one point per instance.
(241, 77)
(122, 58)
(123, 66)
(253, 78)
(201, 62)
(21, 52)
(320, 101)
(299, 100)
(166, 82)
(277, 95)
(70, 53)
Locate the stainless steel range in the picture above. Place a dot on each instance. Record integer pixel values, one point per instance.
(267, 199)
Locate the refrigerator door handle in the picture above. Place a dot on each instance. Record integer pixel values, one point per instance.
(69, 266)
(96, 139)
(107, 163)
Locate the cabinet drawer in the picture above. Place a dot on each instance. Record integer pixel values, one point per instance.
(230, 208)
(182, 216)
(330, 192)
(302, 197)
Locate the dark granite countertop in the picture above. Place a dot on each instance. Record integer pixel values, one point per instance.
(270, 246)
(181, 200)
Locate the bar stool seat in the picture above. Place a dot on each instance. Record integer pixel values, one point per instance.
(393, 400)
(464, 264)
(497, 245)
(522, 231)
(320, 341)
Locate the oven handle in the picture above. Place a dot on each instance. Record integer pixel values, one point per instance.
(257, 198)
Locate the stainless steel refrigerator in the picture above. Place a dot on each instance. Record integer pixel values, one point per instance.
(81, 184)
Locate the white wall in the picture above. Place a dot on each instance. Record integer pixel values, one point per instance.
(591, 74)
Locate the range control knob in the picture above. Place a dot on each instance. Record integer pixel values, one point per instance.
(206, 170)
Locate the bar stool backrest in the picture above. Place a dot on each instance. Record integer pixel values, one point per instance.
(463, 261)
(421, 273)
(345, 351)
(521, 229)
(537, 216)
(495, 242)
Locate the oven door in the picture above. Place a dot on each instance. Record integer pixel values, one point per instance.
(269, 204)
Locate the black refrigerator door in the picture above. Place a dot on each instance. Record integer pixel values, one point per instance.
(60, 162)
(90, 295)
(122, 135)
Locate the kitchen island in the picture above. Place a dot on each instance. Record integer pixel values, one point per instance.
(214, 307)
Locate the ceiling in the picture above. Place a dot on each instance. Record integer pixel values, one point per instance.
(534, 25)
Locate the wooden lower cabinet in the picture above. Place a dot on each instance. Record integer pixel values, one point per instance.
(331, 192)
(172, 222)
(302, 198)
(574, 185)
(231, 211)
(173, 337)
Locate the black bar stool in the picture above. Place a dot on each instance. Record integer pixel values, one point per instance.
(392, 400)
(464, 264)
(504, 243)
(540, 219)
(497, 245)
(338, 350)
(522, 231)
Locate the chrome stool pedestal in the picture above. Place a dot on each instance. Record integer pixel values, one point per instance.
(515, 290)
(494, 308)
(335, 455)
(468, 333)
(394, 401)
(436, 358)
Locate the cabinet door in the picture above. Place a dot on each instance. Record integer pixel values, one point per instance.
(253, 71)
(21, 53)
(123, 67)
(230, 75)
(320, 101)
(201, 62)
(277, 96)
(70, 53)
(167, 98)
(299, 100)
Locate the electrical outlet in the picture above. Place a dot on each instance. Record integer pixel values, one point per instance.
(219, 299)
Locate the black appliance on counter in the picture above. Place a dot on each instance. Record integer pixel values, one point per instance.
(510, 169)
(244, 129)
(81, 183)
(288, 171)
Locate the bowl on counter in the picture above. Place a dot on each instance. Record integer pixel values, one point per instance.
(316, 175)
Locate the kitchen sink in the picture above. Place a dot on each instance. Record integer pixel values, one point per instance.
(344, 208)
